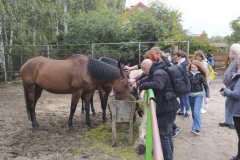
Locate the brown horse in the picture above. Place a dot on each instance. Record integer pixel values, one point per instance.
(106, 88)
(77, 75)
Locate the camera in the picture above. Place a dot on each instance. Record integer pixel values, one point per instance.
(222, 89)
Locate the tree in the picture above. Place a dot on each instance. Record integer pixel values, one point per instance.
(235, 36)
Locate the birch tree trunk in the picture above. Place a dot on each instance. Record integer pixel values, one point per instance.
(2, 55)
(65, 17)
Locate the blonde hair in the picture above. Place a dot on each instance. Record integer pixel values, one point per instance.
(200, 66)
(200, 54)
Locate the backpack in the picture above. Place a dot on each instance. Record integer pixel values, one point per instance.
(211, 62)
(211, 72)
(180, 80)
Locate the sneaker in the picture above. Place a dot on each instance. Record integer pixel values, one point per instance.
(231, 126)
(196, 132)
(180, 113)
(186, 115)
(176, 132)
(224, 124)
(203, 110)
(235, 158)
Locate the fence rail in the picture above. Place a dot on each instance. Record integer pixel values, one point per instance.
(17, 55)
(153, 142)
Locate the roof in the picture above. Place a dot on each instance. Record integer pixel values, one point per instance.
(139, 5)
(219, 44)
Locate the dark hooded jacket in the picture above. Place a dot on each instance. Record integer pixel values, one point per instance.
(159, 81)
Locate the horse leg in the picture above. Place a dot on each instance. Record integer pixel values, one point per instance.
(92, 107)
(75, 98)
(29, 91)
(87, 109)
(83, 105)
(103, 106)
(38, 92)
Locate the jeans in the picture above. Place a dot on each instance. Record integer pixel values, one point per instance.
(165, 123)
(196, 104)
(228, 116)
(184, 102)
(204, 105)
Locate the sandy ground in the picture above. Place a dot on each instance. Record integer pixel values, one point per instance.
(53, 141)
(214, 142)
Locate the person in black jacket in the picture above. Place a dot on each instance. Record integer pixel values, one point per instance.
(155, 54)
(198, 78)
(167, 105)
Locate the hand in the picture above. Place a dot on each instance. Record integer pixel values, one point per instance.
(132, 81)
(138, 91)
(127, 68)
(207, 100)
(134, 85)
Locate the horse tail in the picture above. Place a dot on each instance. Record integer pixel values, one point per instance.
(27, 101)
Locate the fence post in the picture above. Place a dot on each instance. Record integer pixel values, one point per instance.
(153, 142)
(48, 51)
(139, 53)
(93, 49)
(2, 54)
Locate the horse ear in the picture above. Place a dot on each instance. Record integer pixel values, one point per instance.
(120, 68)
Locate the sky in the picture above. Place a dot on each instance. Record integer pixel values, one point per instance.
(211, 16)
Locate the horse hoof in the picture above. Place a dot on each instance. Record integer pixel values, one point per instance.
(70, 130)
(35, 129)
(90, 127)
(104, 121)
(140, 150)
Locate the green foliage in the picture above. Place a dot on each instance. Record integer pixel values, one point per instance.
(34, 22)
(235, 36)
(217, 39)
(196, 44)
(93, 27)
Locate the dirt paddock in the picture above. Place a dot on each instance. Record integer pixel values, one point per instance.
(53, 141)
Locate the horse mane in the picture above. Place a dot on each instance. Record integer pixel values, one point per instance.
(75, 56)
(102, 71)
(110, 61)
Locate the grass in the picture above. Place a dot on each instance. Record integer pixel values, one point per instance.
(100, 140)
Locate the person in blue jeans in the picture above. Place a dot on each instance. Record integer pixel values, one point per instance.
(185, 106)
(198, 78)
(182, 59)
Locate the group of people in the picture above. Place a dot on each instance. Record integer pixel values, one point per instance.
(155, 77)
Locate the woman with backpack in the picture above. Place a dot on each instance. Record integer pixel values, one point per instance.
(198, 78)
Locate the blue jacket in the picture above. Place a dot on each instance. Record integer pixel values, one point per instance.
(233, 94)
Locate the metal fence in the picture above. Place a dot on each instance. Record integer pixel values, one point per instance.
(17, 55)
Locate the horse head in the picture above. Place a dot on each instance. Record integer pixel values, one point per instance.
(120, 84)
